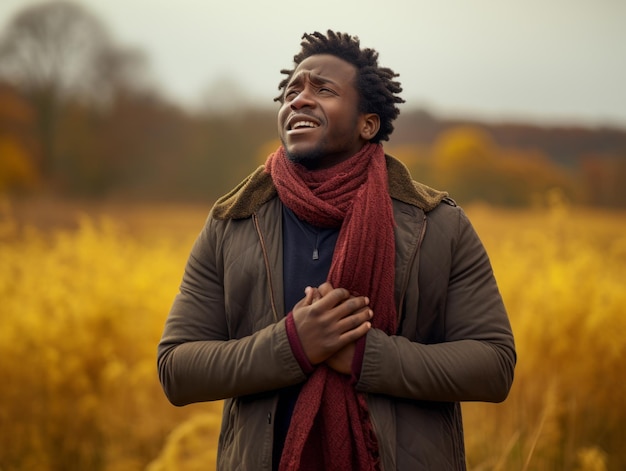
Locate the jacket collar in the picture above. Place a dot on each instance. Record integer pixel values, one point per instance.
(258, 188)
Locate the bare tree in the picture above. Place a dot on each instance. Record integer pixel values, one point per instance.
(53, 46)
(57, 52)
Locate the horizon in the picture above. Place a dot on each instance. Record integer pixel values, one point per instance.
(536, 63)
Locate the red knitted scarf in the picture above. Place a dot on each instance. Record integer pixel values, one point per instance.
(330, 428)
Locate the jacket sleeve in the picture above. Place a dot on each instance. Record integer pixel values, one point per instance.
(199, 357)
(475, 358)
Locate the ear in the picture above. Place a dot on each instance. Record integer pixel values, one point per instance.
(370, 124)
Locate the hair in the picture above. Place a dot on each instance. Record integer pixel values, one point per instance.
(375, 85)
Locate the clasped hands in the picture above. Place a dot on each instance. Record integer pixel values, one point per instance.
(329, 321)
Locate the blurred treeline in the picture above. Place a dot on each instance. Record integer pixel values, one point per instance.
(81, 117)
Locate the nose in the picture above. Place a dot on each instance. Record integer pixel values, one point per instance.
(304, 99)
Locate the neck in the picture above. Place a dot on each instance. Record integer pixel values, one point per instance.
(316, 160)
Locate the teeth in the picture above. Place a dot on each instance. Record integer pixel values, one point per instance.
(304, 124)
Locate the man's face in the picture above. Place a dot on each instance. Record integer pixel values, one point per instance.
(319, 122)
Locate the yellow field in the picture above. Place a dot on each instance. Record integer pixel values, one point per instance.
(83, 298)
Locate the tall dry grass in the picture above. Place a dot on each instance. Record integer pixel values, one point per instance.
(81, 313)
(561, 273)
(82, 308)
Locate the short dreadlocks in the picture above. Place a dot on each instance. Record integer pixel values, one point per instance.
(375, 85)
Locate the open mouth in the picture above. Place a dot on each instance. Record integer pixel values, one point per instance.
(302, 122)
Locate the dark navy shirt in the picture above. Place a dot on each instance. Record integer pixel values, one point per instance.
(307, 254)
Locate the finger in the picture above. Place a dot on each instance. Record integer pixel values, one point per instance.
(332, 298)
(351, 306)
(325, 288)
(316, 295)
(354, 320)
(355, 334)
(309, 295)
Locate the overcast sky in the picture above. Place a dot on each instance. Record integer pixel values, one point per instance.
(541, 60)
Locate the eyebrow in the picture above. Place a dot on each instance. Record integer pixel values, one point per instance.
(314, 78)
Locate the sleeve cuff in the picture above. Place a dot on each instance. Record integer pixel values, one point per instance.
(296, 345)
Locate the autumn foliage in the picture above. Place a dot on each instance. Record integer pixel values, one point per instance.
(83, 302)
(79, 116)
(471, 166)
(83, 308)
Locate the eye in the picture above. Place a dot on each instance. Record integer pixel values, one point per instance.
(326, 91)
(291, 94)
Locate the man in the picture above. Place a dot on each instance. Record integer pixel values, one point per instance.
(341, 309)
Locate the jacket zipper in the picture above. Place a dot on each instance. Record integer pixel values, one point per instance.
(267, 452)
(268, 271)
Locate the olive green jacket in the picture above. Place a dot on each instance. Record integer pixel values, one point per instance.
(225, 335)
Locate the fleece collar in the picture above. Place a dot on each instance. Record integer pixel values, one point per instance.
(258, 188)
